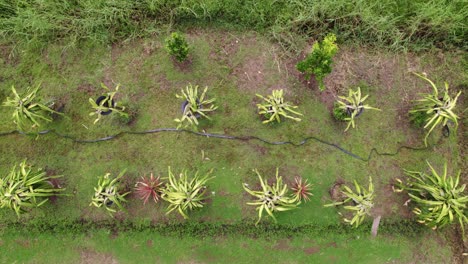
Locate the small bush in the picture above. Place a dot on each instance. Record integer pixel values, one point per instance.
(339, 113)
(319, 61)
(177, 46)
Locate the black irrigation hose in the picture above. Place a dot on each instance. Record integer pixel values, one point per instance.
(210, 135)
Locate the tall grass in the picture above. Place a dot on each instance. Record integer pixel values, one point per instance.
(398, 24)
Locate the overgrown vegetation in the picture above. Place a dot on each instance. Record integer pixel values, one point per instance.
(397, 25)
(439, 198)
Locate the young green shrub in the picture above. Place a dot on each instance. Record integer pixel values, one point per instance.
(351, 106)
(274, 107)
(194, 106)
(184, 194)
(359, 202)
(29, 111)
(177, 46)
(24, 188)
(319, 61)
(338, 113)
(273, 198)
(106, 104)
(435, 108)
(439, 199)
(108, 193)
(149, 188)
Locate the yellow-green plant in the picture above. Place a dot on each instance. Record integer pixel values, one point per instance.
(184, 194)
(439, 199)
(273, 108)
(359, 202)
(108, 193)
(352, 105)
(28, 111)
(24, 188)
(107, 105)
(319, 61)
(195, 106)
(437, 109)
(272, 198)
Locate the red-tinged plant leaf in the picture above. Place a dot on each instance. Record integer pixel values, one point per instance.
(301, 189)
(149, 187)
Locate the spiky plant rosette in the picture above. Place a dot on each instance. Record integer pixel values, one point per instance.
(439, 199)
(108, 193)
(274, 107)
(358, 202)
(29, 111)
(24, 188)
(352, 105)
(149, 187)
(184, 194)
(197, 105)
(301, 189)
(437, 109)
(107, 104)
(271, 198)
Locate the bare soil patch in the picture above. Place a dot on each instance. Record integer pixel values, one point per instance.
(89, 256)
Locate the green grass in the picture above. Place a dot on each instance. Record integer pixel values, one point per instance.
(106, 246)
(149, 81)
(397, 25)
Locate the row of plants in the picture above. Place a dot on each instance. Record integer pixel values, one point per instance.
(436, 109)
(439, 199)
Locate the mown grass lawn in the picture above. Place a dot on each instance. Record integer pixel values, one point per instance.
(235, 66)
